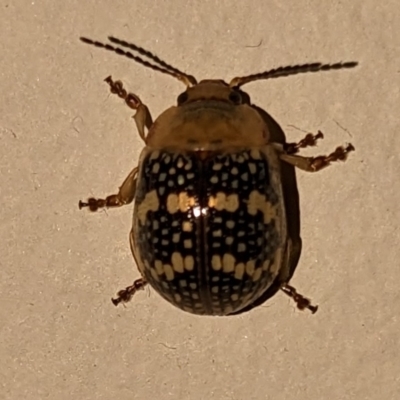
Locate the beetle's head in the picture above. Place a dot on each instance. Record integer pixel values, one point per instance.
(213, 89)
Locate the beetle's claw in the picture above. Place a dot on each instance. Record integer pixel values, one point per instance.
(92, 203)
(116, 301)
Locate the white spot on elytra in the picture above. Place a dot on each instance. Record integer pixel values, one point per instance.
(183, 283)
(241, 248)
(159, 267)
(223, 202)
(189, 165)
(177, 297)
(156, 168)
(257, 274)
(150, 203)
(250, 267)
(169, 272)
(217, 167)
(189, 263)
(230, 224)
(187, 244)
(239, 271)
(252, 168)
(187, 226)
(258, 202)
(228, 263)
(177, 262)
(216, 263)
(229, 240)
(180, 202)
(255, 154)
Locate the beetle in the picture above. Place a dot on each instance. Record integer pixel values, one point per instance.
(210, 228)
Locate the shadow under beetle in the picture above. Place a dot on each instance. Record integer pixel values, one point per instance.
(210, 228)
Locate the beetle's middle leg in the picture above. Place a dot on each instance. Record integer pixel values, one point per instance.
(142, 116)
(313, 164)
(125, 195)
(308, 141)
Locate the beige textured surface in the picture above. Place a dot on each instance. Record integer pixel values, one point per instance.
(63, 137)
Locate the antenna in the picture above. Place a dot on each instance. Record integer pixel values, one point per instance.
(290, 70)
(162, 66)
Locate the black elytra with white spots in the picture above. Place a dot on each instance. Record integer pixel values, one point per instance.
(206, 247)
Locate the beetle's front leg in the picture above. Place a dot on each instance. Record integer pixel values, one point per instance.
(142, 116)
(313, 164)
(125, 195)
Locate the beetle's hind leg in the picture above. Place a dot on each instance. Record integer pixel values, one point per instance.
(125, 195)
(313, 164)
(142, 116)
(301, 301)
(125, 295)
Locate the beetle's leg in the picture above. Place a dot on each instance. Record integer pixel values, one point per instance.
(301, 302)
(313, 164)
(126, 294)
(308, 141)
(125, 195)
(142, 116)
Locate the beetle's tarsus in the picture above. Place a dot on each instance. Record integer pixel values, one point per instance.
(94, 204)
(301, 301)
(314, 164)
(308, 141)
(340, 154)
(125, 295)
(117, 87)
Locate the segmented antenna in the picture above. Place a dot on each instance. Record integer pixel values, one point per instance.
(189, 80)
(162, 66)
(290, 70)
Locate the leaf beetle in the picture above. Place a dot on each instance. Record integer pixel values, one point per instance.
(210, 229)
